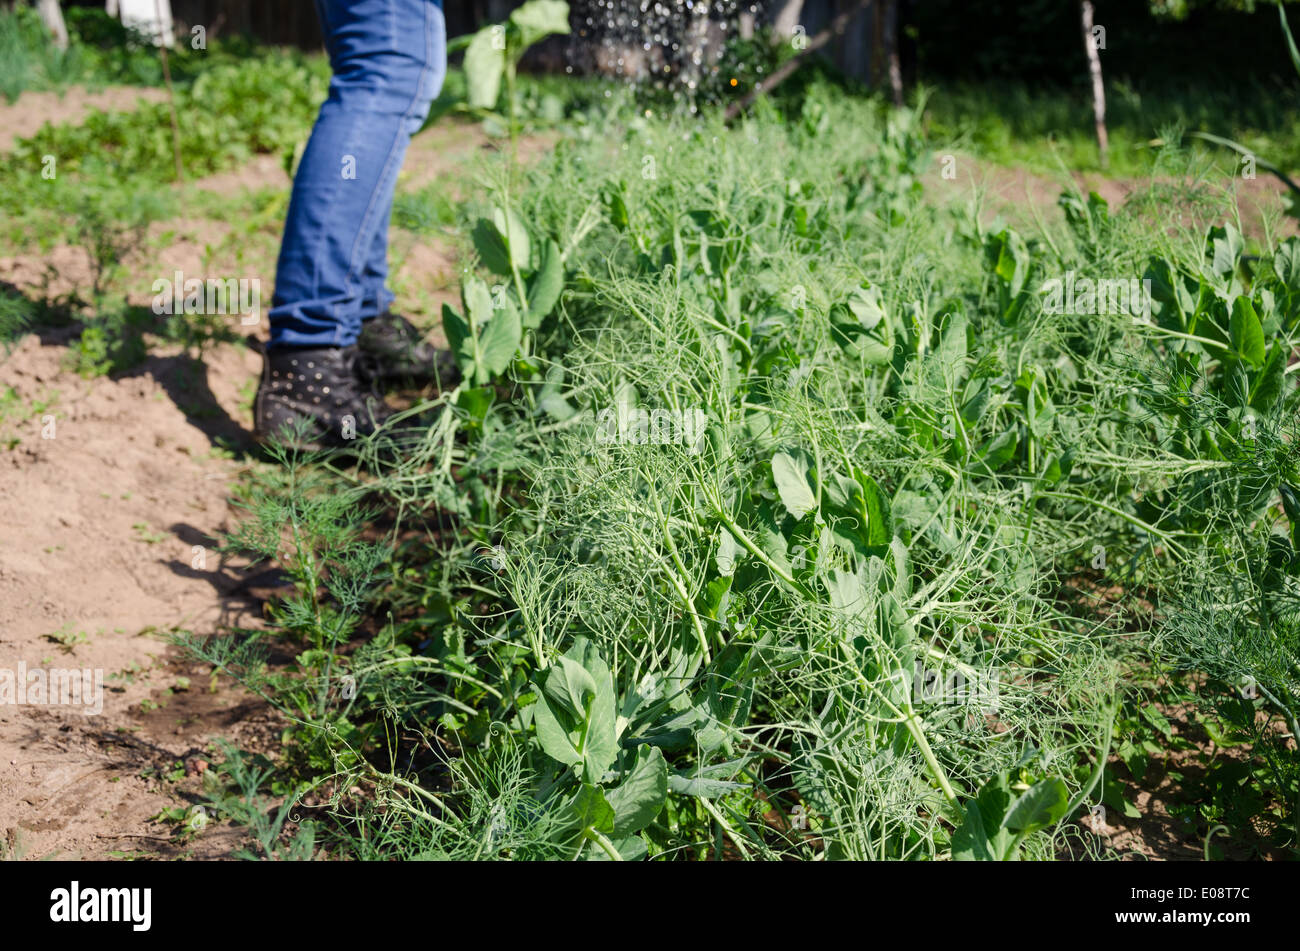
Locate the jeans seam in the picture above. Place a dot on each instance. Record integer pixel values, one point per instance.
(350, 278)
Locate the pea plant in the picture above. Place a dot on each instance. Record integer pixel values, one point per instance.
(841, 617)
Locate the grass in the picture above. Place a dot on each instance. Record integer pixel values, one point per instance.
(1040, 128)
(101, 52)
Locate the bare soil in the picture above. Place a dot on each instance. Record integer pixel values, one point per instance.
(1017, 195)
(111, 499)
(112, 494)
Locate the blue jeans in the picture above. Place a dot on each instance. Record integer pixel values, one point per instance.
(389, 58)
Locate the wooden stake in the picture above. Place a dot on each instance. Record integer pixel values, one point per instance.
(164, 41)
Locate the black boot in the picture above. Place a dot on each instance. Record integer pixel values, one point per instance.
(400, 353)
(316, 397)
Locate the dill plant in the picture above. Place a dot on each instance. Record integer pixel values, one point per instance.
(910, 473)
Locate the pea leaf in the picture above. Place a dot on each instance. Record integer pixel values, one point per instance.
(998, 450)
(728, 550)
(768, 536)
(1270, 384)
(631, 848)
(484, 65)
(701, 786)
(540, 18)
(502, 241)
(476, 401)
(970, 843)
(575, 715)
(514, 237)
(458, 339)
(486, 339)
(1040, 806)
(880, 529)
(545, 286)
(866, 305)
(1225, 245)
(874, 351)
(849, 592)
(491, 246)
(614, 199)
(569, 684)
(559, 740)
(590, 810)
(791, 479)
(1246, 332)
(1286, 263)
(500, 342)
(638, 799)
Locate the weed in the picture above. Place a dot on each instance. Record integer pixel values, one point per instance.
(68, 639)
(147, 535)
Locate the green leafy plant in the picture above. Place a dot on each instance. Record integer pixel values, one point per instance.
(778, 514)
(999, 818)
(492, 55)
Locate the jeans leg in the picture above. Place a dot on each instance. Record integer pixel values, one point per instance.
(376, 297)
(389, 59)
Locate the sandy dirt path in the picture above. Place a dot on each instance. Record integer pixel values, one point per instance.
(110, 500)
(112, 493)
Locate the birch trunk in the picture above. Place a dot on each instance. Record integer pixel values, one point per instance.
(52, 16)
(787, 18)
(1098, 87)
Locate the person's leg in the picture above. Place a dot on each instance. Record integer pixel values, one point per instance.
(374, 276)
(389, 59)
(376, 297)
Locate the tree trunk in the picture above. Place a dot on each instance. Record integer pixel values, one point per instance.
(1098, 87)
(153, 18)
(786, 69)
(877, 45)
(110, 7)
(52, 17)
(891, 51)
(786, 19)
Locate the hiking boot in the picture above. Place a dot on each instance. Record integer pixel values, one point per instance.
(317, 397)
(398, 351)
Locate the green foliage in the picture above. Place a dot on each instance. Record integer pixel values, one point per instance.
(999, 818)
(111, 342)
(15, 318)
(492, 53)
(1042, 127)
(230, 113)
(492, 58)
(102, 51)
(752, 529)
(234, 792)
